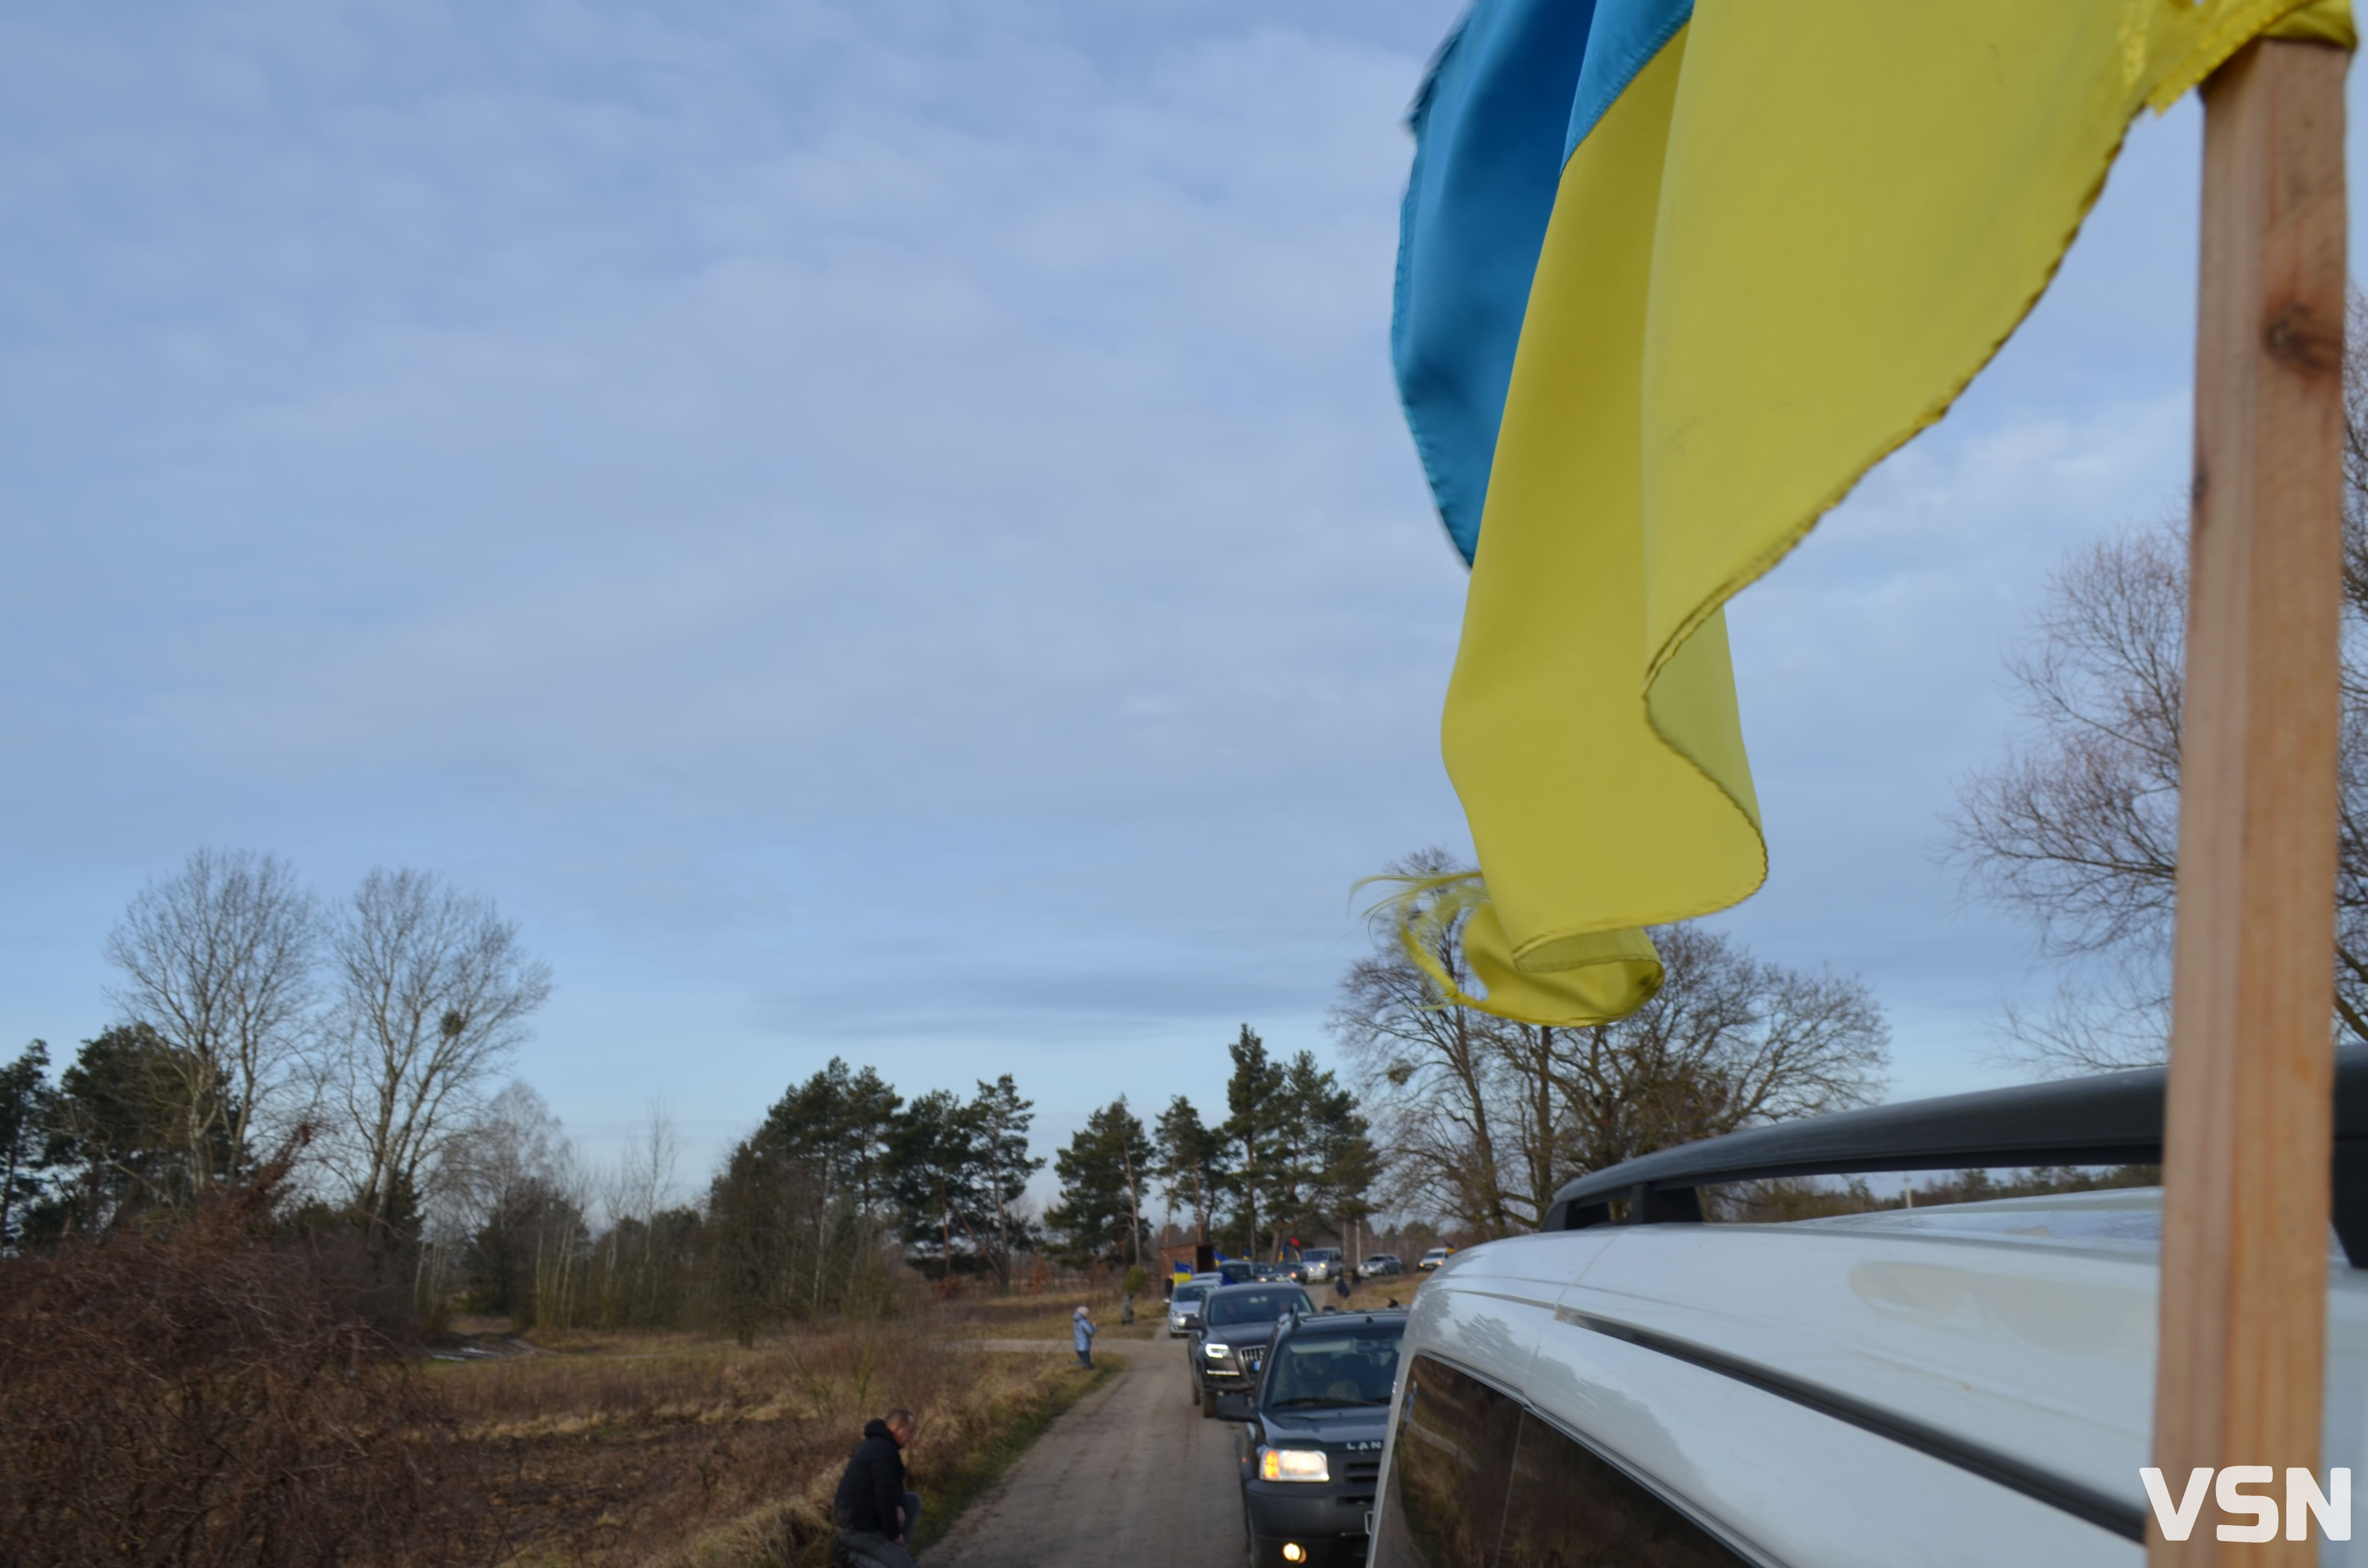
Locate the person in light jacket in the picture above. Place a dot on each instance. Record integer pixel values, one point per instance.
(1081, 1330)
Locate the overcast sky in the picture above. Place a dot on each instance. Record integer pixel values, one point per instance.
(877, 529)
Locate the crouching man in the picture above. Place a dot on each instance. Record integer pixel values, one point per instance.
(874, 1513)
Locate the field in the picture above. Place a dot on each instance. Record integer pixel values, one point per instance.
(666, 1450)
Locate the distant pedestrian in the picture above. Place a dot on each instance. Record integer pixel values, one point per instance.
(1126, 1309)
(874, 1513)
(1081, 1330)
(1340, 1287)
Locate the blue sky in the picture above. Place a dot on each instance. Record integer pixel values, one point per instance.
(876, 529)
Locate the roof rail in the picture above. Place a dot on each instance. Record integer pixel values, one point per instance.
(2112, 1119)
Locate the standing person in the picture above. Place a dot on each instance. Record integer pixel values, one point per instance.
(1340, 1286)
(1081, 1330)
(874, 1513)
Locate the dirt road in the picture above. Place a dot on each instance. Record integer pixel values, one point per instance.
(1133, 1473)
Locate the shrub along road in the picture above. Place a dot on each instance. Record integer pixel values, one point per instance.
(1134, 1474)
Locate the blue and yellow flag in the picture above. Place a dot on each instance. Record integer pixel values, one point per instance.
(1672, 276)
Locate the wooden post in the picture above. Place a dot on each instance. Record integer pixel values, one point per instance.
(2248, 1138)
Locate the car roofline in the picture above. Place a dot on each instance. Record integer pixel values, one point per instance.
(2110, 1119)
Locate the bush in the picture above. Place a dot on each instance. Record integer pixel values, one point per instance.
(205, 1397)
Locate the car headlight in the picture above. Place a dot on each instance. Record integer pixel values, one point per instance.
(1293, 1464)
(1216, 1352)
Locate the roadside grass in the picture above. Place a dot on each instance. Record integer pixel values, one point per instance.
(1374, 1295)
(686, 1453)
(1046, 1315)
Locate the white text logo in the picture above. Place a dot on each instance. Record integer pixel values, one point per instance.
(2305, 1503)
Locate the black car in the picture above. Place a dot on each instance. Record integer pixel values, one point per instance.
(1229, 1344)
(1311, 1448)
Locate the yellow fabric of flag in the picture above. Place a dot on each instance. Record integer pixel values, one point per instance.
(1784, 249)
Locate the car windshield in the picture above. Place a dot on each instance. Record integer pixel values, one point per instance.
(1331, 1369)
(1189, 1295)
(1253, 1306)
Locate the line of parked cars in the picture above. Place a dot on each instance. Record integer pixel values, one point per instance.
(1310, 1387)
(1322, 1266)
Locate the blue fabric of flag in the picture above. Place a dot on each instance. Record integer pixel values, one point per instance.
(1623, 39)
(1516, 86)
(1489, 127)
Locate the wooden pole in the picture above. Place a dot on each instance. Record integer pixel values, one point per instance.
(2248, 1138)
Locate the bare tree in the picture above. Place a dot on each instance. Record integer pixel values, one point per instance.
(433, 992)
(218, 959)
(636, 1190)
(2075, 828)
(1728, 1041)
(1482, 1118)
(1426, 1065)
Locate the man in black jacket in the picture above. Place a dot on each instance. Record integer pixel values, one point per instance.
(874, 1513)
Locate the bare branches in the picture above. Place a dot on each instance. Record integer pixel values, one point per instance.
(218, 959)
(1481, 1119)
(1428, 1069)
(433, 992)
(201, 1396)
(2078, 827)
(1729, 1041)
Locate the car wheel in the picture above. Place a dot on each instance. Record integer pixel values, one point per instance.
(1208, 1404)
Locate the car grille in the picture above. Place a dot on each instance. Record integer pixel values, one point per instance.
(1253, 1356)
(1362, 1469)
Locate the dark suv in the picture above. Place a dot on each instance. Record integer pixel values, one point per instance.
(1312, 1449)
(1229, 1344)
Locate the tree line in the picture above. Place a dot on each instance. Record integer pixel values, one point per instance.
(363, 1041)
(258, 1022)
(359, 1043)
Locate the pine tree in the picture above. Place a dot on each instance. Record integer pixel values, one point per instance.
(1001, 1120)
(1192, 1162)
(1253, 1095)
(1100, 1215)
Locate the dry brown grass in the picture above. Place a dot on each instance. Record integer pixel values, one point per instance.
(706, 1455)
(212, 1397)
(1045, 1314)
(1373, 1295)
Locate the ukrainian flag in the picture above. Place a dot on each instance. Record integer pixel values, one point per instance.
(1672, 276)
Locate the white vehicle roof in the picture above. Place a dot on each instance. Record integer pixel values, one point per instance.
(1968, 1383)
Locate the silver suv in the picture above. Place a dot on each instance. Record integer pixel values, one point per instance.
(1960, 1383)
(1318, 1266)
(1184, 1306)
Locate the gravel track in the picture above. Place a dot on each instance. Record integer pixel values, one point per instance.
(1133, 1473)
